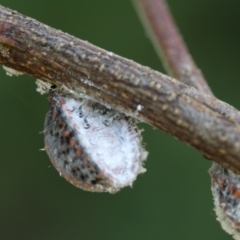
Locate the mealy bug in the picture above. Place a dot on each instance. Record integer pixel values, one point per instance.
(93, 147)
(226, 196)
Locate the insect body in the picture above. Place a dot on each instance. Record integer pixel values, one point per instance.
(91, 146)
(226, 194)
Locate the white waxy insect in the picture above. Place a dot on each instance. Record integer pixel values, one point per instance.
(91, 146)
(226, 196)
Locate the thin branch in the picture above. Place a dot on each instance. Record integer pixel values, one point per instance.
(56, 57)
(168, 43)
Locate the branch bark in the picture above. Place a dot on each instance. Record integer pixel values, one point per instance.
(169, 44)
(198, 119)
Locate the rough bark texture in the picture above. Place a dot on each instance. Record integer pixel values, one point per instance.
(198, 119)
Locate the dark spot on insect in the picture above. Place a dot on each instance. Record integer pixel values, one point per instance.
(98, 180)
(234, 203)
(221, 195)
(80, 112)
(62, 140)
(86, 124)
(106, 122)
(83, 166)
(78, 169)
(67, 139)
(64, 152)
(53, 87)
(83, 177)
(225, 170)
(94, 181)
(60, 124)
(100, 108)
(75, 159)
(74, 172)
(65, 163)
(56, 134)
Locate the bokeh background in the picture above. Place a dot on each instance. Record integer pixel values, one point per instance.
(172, 200)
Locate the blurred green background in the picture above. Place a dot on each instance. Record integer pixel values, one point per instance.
(172, 200)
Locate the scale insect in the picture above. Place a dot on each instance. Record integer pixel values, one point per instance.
(226, 195)
(93, 147)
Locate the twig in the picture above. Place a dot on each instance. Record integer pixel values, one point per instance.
(168, 43)
(56, 57)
